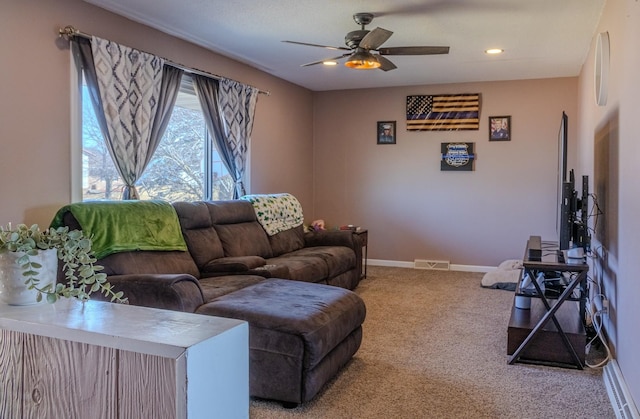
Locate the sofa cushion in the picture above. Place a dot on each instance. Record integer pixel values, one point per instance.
(244, 239)
(214, 287)
(306, 268)
(204, 245)
(231, 212)
(339, 259)
(287, 241)
(149, 262)
(201, 238)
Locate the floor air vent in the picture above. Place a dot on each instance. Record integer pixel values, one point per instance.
(438, 265)
(618, 394)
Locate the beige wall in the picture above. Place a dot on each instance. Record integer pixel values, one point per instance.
(415, 211)
(35, 107)
(609, 152)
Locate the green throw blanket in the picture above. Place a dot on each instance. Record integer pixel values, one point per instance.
(120, 226)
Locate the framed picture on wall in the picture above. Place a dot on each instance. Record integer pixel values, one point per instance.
(500, 128)
(386, 131)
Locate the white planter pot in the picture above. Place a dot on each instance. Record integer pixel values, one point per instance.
(12, 288)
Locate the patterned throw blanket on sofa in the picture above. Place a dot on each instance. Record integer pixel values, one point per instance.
(276, 212)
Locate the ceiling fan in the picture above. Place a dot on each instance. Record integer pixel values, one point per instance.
(362, 42)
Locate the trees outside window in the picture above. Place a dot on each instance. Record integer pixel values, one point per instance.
(185, 166)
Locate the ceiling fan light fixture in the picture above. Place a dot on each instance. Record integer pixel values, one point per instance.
(363, 60)
(361, 43)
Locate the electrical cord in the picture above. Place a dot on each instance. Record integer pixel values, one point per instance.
(597, 315)
(595, 213)
(596, 321)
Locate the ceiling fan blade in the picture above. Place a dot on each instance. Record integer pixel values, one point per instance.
(326, 59)
(317, 45)
(385, 64)
(413, 50)
(375, 38)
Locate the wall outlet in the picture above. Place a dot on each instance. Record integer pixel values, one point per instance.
(601, 304)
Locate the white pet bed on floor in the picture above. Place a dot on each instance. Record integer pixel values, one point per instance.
(506, 276)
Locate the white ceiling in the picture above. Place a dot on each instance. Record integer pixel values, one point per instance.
(541, 38)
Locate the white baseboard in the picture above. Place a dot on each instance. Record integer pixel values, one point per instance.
(472, 268)
(404, 264)
(621, 400)
(392, 263)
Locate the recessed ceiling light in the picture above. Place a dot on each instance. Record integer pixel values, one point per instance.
(494, 51)
(330, 62)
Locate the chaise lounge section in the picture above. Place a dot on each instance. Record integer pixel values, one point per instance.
(302, 331)
(300, 334)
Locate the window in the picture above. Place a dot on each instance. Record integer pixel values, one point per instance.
(185, 166)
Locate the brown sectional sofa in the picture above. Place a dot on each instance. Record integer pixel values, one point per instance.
(225, 238)
(293, 288)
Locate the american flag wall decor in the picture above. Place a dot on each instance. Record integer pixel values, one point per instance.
(443, 112)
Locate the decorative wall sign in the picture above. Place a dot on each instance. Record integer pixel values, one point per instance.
(386, 132)
(457, 156)
(443, 112)
(499, 128)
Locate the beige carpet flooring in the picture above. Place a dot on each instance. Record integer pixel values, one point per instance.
(434, 346)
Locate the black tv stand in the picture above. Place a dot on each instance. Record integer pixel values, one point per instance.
(534, 248)
(552, 331)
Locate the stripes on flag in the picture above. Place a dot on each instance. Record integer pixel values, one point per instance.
(443, 112)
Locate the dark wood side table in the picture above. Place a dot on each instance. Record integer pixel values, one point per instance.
(363, 235)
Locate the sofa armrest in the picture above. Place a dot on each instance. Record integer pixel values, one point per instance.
(233, 264)
(179, 292)
(336, 238)
(330, 238)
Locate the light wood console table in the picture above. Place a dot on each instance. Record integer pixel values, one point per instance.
(106, 360)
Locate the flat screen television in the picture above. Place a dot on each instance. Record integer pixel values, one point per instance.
(563, 139)
(573, 211)
(564, 188)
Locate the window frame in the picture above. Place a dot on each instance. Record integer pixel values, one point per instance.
(76, 125)
(76, 131)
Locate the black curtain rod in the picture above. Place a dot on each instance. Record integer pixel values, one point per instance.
(69, 31)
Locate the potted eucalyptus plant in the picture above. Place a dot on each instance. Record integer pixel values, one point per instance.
(29, 266)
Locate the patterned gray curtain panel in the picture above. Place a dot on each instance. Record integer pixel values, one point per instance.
(129, 82)
(237, 103)
(207, 91)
